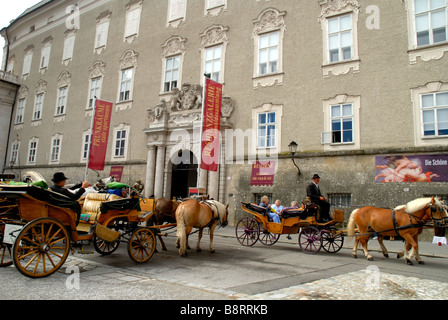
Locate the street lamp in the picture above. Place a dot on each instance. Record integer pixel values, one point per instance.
(293, 149)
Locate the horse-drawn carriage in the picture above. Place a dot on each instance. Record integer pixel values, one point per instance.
(313, 235)
(38, 227)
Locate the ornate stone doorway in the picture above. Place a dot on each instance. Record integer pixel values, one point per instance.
(184, 175)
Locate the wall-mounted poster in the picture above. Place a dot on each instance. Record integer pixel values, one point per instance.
(412, 168)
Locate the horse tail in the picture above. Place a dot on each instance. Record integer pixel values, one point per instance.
(181, 230)
(351, 224)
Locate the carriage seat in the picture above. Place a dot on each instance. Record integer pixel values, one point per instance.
(295, 212)
(91, 208)
(254, 207)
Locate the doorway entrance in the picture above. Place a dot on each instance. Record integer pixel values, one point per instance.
(184, 175)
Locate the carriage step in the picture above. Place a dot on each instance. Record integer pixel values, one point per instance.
(144, 214)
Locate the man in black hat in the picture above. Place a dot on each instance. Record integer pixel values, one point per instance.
(60, 180)
(313, 192)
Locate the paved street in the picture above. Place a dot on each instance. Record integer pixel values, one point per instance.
(235, 272)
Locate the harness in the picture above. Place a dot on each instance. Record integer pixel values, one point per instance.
(212, 205)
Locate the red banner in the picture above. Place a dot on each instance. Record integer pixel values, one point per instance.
(262, 173)
(100, 135)
(116, 172)
(211, 126)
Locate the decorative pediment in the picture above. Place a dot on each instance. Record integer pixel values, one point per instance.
(97, 70)
(128, 59)
(269, 19)
(214, 35)
(174, 45)
(41, 86)
(64, 79)
(334, 7)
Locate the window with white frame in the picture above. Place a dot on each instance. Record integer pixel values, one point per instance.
(27, 63)
(14, 158)
(434, 109)
(69, 46)
(340, 38)
(172, 65)
(268, 53)
(62, 101)
(38, 105)
(45, 56)
(215, 3)
(102, 31)
(20, 111)
(177, 9)
(430, 21)
(126, 85)
(213, 62)
(267, 130)
(55, 151)
(95, 90)
(132, 21)
(32, 151)
(120, 143)
(342, 123)
(85, 146)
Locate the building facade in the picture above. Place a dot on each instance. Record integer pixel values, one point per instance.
(361, 87)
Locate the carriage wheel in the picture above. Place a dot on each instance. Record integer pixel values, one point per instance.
(247, 231)
(267, 238)
(5, 249)
(142, 245)
(41, 248)
(104, 247)
(332, 242)
(310, 240)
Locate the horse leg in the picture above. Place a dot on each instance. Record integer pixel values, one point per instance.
(417, 254)
(383, 248)
(198, 246)
(355, 248)
(162, 243)
(364, 240)
(212, 229)
(409, 243)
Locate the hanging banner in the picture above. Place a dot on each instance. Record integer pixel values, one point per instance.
(116, 172)
(412, 168)
(262, 173)
(100, 135)
(211, 126)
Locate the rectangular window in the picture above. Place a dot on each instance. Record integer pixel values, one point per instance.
(14, 153)
(126, 84)
(171, 73)
(62, 101)
(38, 105)
(177, 9)
(340, 38)
(55, 149)
(120, 143)
(20, 111)
(32, 151)
(69, 45)
(267, 130)
(342, 123)
(340, 200)
(27, 63)
(213, 59)
(95, 90)
(102, 30)
(430, 21)
(268, 53)
(435, 114)
(132, 22)
(85, 146)
(45, 58)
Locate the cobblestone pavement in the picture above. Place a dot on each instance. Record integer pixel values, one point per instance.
(361, 285)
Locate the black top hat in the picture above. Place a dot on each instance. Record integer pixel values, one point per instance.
(316, 176)
(58, 177)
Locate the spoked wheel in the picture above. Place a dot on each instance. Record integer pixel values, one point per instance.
(310, 240)
(104, 247)
(267, 238)
(332, 242)
(247, 231)
(141, 245)
(41, 248)
(5, 249)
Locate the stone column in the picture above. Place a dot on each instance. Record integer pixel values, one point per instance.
(150, 171)
(160, 172)
(213, 184)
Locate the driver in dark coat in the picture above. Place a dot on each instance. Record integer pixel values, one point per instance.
(313, 192)
(60, 180)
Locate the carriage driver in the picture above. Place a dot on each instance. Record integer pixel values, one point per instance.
(313, 192)
(60, 180)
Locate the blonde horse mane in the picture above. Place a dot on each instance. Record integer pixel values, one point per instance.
(417, 205)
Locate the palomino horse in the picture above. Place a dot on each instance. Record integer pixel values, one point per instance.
(194, 214)
(165, 211)
(406, 220)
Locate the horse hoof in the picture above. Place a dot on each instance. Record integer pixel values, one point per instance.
(370, 258)
(199, 250)
(386, 256)
(409, 262)
(421, 262)
(212, 251)
(355, 256)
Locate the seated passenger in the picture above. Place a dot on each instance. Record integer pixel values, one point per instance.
(60, 180)
(277, 206)
(265, 204)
